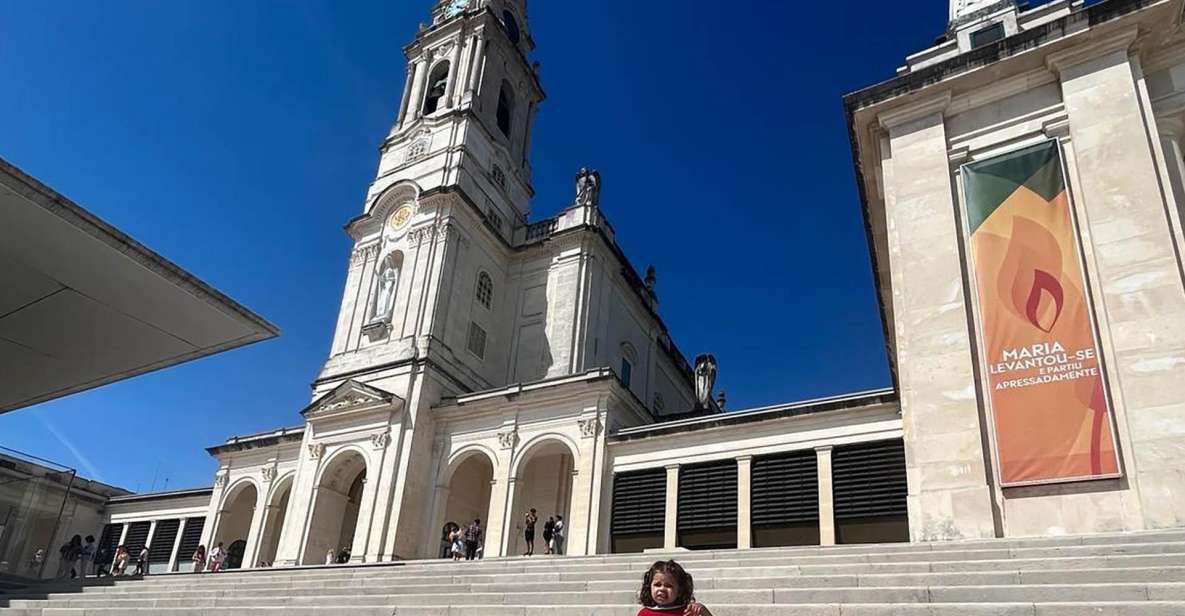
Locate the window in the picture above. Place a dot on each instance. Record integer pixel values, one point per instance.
(505, 108)
(477, 340)
(988, 35)
(512, 29)
(437, 84)
(628, 358)
(485, 290)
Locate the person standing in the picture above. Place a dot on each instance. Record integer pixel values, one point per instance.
(121, 561)
(88, 556)
(548, 534)
(103, 558)
(199, 559)
(529, 531)
(71, 555)
(142, 562)
(557, 536)
(457, 543)
(217, 555)
(472, 539)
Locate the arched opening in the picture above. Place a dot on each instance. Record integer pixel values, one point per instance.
(336, 504)
(273, 523)
(544, 484)
(437, 86)
(234, 523)
(469, 493)
(505, 108)
(485, 290)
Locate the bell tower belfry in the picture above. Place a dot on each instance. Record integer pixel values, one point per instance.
(468, 103)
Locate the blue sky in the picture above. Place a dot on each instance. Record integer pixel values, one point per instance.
(237, 137)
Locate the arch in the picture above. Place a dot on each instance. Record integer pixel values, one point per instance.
(484, 294)
(506, 101)
(437, 86)
(510, 22)
(273, 520)
(537, 441)
(544, 481)
(395, 195)
(236, 514)
(459, 456)
(337, 502)
(468, 483)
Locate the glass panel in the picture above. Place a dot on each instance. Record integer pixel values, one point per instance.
(32, 495)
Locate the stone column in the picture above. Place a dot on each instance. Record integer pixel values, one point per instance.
(479, 55)
(151, 536)
(949, 494)
(744, 502)
(415, 103)
(1171, 131)
(177, 545)
(671, 528)
(826, 496)
(453, 71)
(123, 534)
(255, 532)
(403, 103)
(1130, 255)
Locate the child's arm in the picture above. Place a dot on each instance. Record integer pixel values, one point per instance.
(697, 609)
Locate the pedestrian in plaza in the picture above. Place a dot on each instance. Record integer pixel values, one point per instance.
(548, 534)
(668, 590)
(529, 531)
(120, 566)
(216, 558)
(103, 559)
(199, 559)
(71, 557)
(457, 544)
(330, 556)
(142, 561)
(472, 539)
(36, 561)
(343, 557)
(557, 536)
(88, 556)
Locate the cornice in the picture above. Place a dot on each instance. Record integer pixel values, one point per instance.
(916, 110)
(1121, 40)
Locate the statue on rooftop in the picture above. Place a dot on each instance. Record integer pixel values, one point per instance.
(705, 380)
(588, 187)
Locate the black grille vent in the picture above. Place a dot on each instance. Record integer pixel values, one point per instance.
(639, 502)
(869, 480)
(191, 538)
(163, 540)
(708, 496)
(109, 539)
(785, 489)
(137, 538)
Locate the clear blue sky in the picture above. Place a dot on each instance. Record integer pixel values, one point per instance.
(237, 137)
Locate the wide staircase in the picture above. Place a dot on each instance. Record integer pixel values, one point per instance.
(1141, 574)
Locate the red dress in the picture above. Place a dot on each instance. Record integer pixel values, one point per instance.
(662, 611)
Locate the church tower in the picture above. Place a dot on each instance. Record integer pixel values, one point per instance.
(460, 141)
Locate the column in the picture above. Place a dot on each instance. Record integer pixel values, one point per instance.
(123, 534)
(671, 528)
(826, 497)
(151, 535)
(949, 496)
(1171, 130)
(176, 546)
(417, 92)
(407, 83)
(254, 533)
(454, 69)
(744, 502)
(479, 54)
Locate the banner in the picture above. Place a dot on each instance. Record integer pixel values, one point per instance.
(1051, 414)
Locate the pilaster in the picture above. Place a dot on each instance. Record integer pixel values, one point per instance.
(671, 526)
(744, 502)
(826, 496)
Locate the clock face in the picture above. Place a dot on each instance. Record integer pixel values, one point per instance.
(400, 218)
(455, 7)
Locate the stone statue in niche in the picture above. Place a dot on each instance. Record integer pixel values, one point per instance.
(588, 187)
(384, 298)
(705, 379)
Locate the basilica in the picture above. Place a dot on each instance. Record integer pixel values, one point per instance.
(1017, 194)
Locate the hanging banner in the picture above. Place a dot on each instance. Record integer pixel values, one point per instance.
(1051, 414)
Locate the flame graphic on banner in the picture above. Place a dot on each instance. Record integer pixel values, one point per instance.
(1044, 281)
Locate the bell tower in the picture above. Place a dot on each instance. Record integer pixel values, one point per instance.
(468, 104)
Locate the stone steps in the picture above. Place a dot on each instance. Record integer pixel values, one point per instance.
(1142, 574)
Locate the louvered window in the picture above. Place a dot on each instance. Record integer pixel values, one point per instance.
(477, 340)
(639, 510)
(870, 492)
(137, 538)
(191, 538)
(163, 540)
(785, 506)
(109, 539)
(708, 505)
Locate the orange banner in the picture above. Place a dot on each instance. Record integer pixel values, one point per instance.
(1048, 402)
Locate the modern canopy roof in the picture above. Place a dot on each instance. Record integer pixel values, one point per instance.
(83, 305)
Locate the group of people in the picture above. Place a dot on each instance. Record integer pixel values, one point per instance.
(553, 533)
(81, 559)
(464, 542)
(212, 562)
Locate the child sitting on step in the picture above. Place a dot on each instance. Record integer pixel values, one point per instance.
(668, 590)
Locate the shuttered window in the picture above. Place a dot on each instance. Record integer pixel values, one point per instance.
(785, 489)
(869, 480)
(109, 539)
(191, 538)
(639, 502)
(137, 538)
(708, 496)
(163, 540)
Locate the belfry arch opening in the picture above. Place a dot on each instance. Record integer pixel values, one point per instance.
(273, 523)
(544, 483)
(234, 522)
(469, 490)
(336, 505)
(437, 86)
